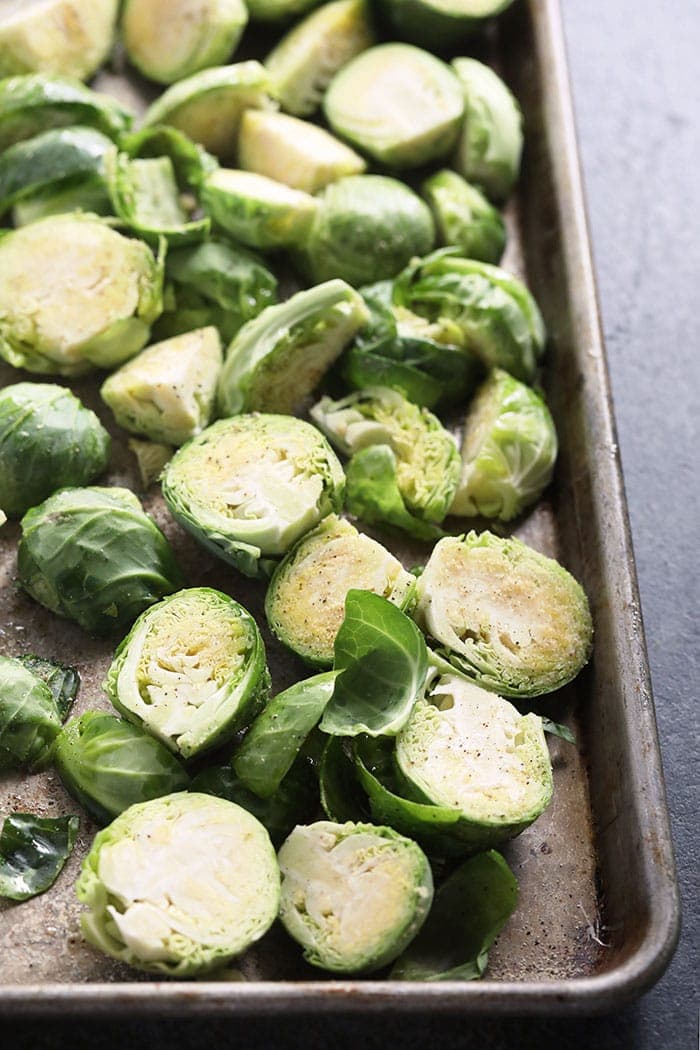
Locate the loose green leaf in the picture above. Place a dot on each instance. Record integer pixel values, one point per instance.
(384, 661)
(468, 913)
(557, 729)
(373, 493)
(63, 682)
(33, 851)
(342, 797)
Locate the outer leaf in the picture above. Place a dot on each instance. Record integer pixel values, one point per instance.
(63, 682)
(557, 729)
(384, 662)
(29, 719)
(373, 493)
(342, 797)
(33, 851)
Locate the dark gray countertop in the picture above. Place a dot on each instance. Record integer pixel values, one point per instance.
(634, 72)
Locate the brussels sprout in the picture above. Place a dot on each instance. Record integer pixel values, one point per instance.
(293, 151)
(280, 357)
(171, 39)
(366, 228)
(63, 682)
(151, 457)
(179, 885)
(399, 104)
(48, 439)
(420, 460)
(69, 37)
(256, 210)
(278, 10)
(484, 308)
(506, 616)
(491, 141)
(29, 718)
(33, 851)
(248, 487)
(214, 283)
(75, 295)
(305, 601)
(353, 895)
(438, 24)
(208, 105)
(50, 162)
(147, 199)
(190, 161)
(108, 765)
(191, 670)
(464, 217)
(307, 58)
(467, 749)
(88, 195)
(34, 103)
(93, 556)
(167, 392)
(508, 450)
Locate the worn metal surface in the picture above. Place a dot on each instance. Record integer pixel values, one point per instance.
(598, 914)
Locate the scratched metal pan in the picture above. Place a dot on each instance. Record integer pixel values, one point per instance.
(598, 915)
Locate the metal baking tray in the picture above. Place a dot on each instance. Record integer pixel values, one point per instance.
(598, 916)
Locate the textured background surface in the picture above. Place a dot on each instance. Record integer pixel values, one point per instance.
(635, 80)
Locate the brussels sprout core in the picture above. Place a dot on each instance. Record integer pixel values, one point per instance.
(179, 885)
(353, 895)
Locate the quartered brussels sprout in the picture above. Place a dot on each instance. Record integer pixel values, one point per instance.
(167, 392)
(29, 718)
(208, 105)
(75, 295)
(353, 895)
(257, 211)
(467, 749)
(151, 457)
(508, 450)
(366, 228)
(248, 487)
(464, 217)
(48, 440)
(278, 10)
(484, 309)
(68, 37)
(405, 466)
(509, 618)
(108, 765)
(34, 103)
(438, 24)
(191, 670)
(293, 151)
(399, 104)
(491, 141)
(168, 40)
(179, 885)
(146, 197)
(280, 357)
(305, 601)
(307, 58)
(93, 556)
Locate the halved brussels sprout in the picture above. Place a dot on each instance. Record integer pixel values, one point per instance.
(66, 37)
(88, 195)
(464, 217)
(508, 450)
(34, 103)
(257, 211)
(278, 10)
(248, 487)
(168, 391)
(439, 24)
(467, 749)
(208, 105)
(191, 670)
(29, 718)
(179, 885)
(305, 601)
(93, 556)
(307, 58)
(491, 141)
(168, 40)
(510, 619)
(485, 309)
(75, 295)
(107, 765)
(419, 458)
(278, 359)
(399, 104)
(353, 895)
(48, 440)
(366, 228)
(146, 197)
(151, 457)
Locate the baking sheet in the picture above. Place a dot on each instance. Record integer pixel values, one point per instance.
(598, 912)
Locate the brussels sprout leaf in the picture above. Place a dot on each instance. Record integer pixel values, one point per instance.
(469, 911)
(33, 851)
(556, 729)
(63, 682)
(384, 662)
(373, 493)
(342, 797)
